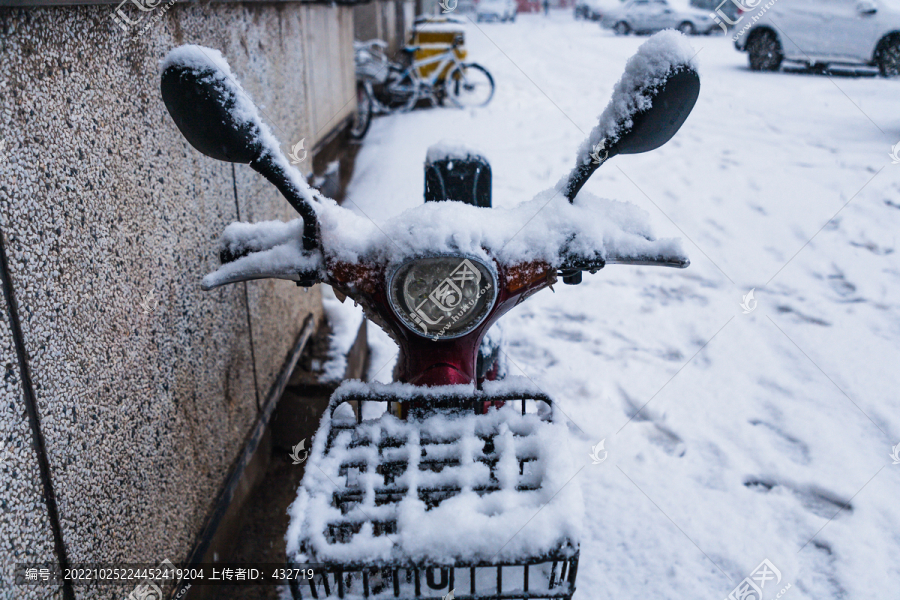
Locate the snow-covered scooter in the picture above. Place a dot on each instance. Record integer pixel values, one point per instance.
(444, 483)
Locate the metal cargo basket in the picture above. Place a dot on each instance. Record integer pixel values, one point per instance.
(434, 35)
(371, 63)
(378, 492)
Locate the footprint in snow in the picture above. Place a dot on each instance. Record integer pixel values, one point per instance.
(817, 500)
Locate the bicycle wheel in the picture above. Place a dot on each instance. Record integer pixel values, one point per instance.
(409, 94)
(469, 85)
(363, 117)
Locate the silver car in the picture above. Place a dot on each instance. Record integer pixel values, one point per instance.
(819, 34)
(647, 16)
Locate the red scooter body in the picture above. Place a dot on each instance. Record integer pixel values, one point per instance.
(424, 360)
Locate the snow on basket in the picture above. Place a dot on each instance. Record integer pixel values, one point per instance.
(416, 508)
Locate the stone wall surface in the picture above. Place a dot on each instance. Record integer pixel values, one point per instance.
(146, 387)
(25, 530)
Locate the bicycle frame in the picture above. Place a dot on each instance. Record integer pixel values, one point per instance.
(419, 87)
(444, 60)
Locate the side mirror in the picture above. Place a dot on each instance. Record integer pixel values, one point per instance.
(672, 102)
(217, 117)
(650, 103)
(209, 107)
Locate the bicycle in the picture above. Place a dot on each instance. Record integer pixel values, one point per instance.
(385, 86)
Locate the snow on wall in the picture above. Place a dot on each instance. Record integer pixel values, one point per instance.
(25, 530)
(102, 203)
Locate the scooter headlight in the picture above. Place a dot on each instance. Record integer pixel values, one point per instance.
(442, 296)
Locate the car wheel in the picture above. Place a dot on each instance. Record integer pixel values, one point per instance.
(888, 57)
(622, 28)
(687, 28)
(764, 50)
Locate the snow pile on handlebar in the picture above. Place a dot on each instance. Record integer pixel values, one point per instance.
(547, 228)
(269, 246)
(473, 523)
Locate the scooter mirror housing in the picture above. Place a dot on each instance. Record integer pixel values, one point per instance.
(217, 117)
(672, 103)
(202, 104)
(650, 103)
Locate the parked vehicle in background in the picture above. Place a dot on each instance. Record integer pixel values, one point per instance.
(729, 8)
(496, 10)
(432, 70)
(648, 16)
(819, 34)
(593, 10)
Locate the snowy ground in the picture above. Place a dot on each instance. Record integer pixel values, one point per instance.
(754, 429)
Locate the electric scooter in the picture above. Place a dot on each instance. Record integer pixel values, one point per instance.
(459, 488)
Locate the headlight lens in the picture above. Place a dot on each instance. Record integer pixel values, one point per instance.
(442, 296)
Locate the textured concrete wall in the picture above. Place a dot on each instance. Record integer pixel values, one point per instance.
(389, 20)
(102, 202)
(25, 531)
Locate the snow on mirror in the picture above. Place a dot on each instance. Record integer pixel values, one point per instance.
(209, 107)
(443, 296)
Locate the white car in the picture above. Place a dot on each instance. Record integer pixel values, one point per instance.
(592, 10)
(647, 16)
(821, 32)
(496, 10)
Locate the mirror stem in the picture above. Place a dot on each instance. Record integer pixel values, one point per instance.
(266, 166)
(580, 174)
